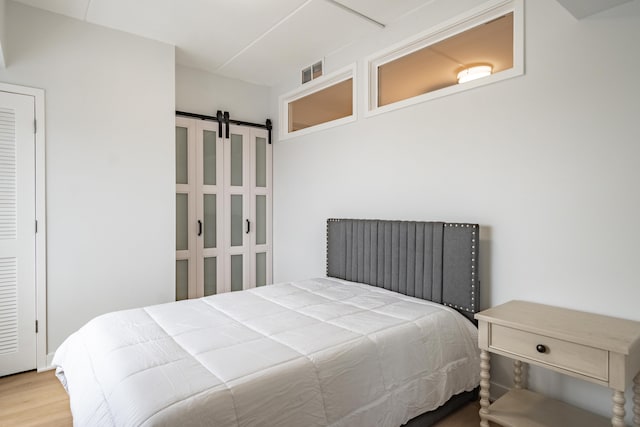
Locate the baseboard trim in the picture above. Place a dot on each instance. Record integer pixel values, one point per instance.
(49, 366)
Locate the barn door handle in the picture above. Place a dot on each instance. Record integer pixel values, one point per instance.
(199, 228)
(248, 226)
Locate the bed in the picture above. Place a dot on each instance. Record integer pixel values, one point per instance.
(385, 339)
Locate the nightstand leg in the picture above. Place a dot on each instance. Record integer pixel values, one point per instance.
(618, 409)
(517, 374)
(636, 401)
(485, 366)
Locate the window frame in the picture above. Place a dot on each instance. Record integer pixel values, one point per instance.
(447, 29)
(309, 88)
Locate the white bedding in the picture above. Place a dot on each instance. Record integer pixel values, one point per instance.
(311, 353)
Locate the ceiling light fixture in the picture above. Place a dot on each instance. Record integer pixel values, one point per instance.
(475, 72)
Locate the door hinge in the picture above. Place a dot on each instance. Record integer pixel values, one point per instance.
(35, 126)
(36, 326)
(36, 226)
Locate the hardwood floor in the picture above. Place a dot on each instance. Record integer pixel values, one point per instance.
(32, 399)
(465, 417)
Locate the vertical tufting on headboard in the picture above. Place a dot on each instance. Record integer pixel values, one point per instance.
(435, 261)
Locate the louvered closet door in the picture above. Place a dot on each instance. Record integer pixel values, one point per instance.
(17, 234)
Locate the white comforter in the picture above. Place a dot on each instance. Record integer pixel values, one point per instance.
(310, 353)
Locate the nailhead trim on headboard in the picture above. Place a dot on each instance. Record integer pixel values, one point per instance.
(470, 308)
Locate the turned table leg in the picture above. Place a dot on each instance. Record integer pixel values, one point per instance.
(517, 374)
(618, 409)
(636, 401)
(485, 366)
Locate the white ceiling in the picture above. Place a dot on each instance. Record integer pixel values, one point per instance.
(259, 41)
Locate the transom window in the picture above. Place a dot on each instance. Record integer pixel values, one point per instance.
(326, 102)
(478, 48)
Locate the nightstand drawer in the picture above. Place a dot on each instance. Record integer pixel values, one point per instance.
(565, 355)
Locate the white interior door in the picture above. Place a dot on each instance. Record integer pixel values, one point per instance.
(17, 234)
(223, 208)
(247, 208)
(236, 208)
(199, 213)
(260, 213)
(209, 213)
(186, 225)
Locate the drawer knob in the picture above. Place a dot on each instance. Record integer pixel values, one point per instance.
(541, 348)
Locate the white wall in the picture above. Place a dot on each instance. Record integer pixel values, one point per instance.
(3, 5)
(109, 100)
(204, 93)
(547, 163)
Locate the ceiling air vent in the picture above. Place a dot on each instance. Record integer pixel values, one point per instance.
(312, 71)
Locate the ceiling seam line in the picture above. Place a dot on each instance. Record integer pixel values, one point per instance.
(356, 13)
(413, 10)
(263, 35)
(86, 11)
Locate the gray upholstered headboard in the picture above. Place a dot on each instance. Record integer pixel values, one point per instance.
(435, 261)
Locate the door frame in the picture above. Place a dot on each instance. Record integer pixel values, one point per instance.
(43, 360)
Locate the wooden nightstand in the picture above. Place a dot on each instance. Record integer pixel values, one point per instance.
(600, 349)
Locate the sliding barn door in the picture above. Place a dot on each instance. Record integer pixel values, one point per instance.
(17, 234)
(247, 207)
(209, 199)
(223, 208)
